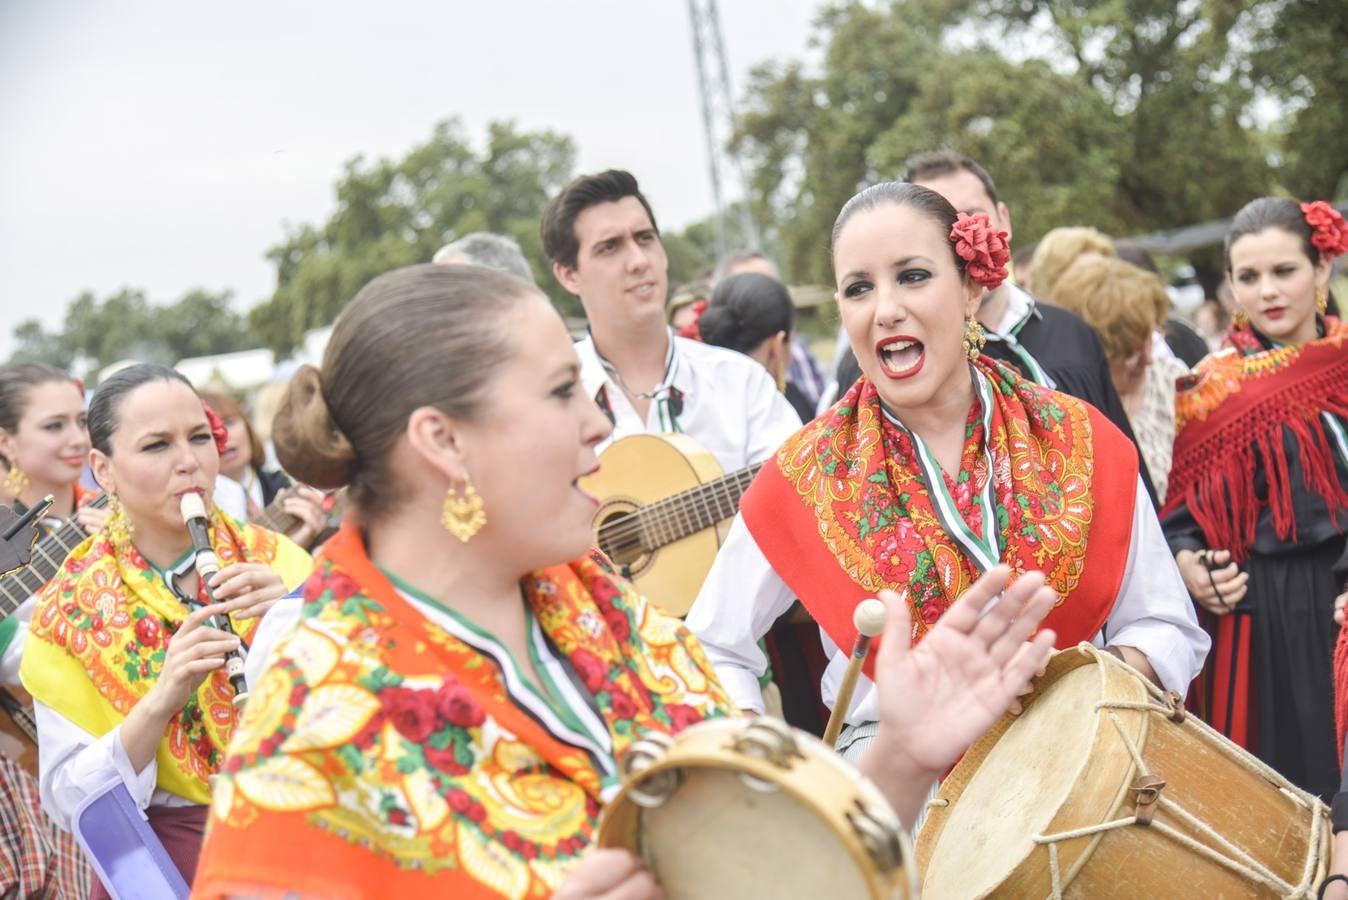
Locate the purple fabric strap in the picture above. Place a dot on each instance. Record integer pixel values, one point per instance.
(124, 850)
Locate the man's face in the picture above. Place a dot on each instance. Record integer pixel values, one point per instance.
(621, 266)
(967, 194)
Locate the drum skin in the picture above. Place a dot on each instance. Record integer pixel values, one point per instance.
(741, 825)
(1062, 765)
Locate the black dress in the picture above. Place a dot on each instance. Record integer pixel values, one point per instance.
(1288, 613)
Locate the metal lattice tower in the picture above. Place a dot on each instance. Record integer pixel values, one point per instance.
(718, 115)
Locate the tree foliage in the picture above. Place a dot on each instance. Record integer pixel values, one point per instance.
(126, 325)
(1130, 115)
(395, 213)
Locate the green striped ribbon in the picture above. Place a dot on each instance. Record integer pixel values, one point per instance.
(985, 551)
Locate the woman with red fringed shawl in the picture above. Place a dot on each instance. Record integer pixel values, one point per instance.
(939, 464)
(1258, 501)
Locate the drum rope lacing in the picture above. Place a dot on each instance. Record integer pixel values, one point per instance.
(1239, 860)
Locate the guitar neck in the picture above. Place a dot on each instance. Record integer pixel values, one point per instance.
(693, 510)
(45, 561)
(274, 517)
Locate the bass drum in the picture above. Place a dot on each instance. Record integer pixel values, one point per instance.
(1106, 787)
(737, 808)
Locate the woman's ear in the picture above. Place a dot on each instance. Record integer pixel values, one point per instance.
(101, 466)
(439, 441)
(973, 297)
(7, 445)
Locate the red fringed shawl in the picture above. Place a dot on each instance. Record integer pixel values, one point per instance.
(1229, 418)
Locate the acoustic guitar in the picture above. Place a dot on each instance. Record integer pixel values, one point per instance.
(275, 518)
(661, 497)
(18, 731)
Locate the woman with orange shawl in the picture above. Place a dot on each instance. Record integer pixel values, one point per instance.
(1259, 491)
(940, 464)
(443, 716)
(127, 682)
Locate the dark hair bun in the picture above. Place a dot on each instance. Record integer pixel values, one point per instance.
(309, 445)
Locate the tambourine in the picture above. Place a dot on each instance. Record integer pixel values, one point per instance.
(736, 808)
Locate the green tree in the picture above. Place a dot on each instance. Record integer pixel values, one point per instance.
(392, 214)
(126, 325)
(1132, 115)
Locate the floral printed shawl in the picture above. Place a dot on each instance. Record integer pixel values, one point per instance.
(844, 510)
(392, 751)
(100, 632)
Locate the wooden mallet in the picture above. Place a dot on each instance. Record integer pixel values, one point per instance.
(869, 619)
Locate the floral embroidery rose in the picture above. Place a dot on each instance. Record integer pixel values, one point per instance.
(412, 712)
(590, 668)
(457, 706)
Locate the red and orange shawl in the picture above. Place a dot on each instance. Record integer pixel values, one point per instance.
(842, 511)
(381, 756)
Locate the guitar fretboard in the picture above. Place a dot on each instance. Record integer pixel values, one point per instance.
(45, 561)
(677, 516)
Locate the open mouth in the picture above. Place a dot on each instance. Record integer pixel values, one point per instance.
(901, 357)
(575, 483)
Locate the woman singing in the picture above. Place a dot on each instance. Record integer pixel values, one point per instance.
(1258, 498)
(940, 464)
(445, 717)
(128, 681)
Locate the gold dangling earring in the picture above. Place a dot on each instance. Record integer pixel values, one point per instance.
(17, 481)
(463, 516)
(1321, 301)
(117, 527)
(1240, 318)
(973, 338)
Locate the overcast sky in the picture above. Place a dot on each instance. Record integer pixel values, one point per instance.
(164, 144)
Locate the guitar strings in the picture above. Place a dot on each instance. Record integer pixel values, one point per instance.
(670, 510)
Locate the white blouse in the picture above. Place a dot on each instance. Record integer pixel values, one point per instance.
(742, 597)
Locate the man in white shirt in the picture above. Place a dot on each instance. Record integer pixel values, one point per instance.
(605, 248)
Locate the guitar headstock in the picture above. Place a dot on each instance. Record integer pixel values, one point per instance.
(18, 532)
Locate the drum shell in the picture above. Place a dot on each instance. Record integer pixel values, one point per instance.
(1208, 776)
(817, 779)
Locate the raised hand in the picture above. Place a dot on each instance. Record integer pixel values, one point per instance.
(937, 698)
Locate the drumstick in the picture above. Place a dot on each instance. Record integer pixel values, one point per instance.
(869, 619)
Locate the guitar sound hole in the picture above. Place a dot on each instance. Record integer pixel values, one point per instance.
(619, 535)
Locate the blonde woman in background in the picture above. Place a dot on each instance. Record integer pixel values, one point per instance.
(1126, 305)
(1058, 250)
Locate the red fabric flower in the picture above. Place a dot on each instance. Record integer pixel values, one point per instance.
(411, 712)
(691, 330)
(985, 252)
(218, 430)
(623, 707)
(590, 668)
(619, 624)
(457, 705)
(444, 760)
(1329, 233)
(459, 801)
(930, 612)
(147, 631)
(681, 716)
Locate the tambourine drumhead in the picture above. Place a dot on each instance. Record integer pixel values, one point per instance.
(1017, 791)
(737, 825)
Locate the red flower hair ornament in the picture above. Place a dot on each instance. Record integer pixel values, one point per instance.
(218, 430)
(985, 252)
(1329, 233)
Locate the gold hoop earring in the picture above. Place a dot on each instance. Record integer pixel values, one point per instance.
(1321, 301)
(16, 481)
(1240, 318)
(118, 527)
(463, 516)
(974, 339)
